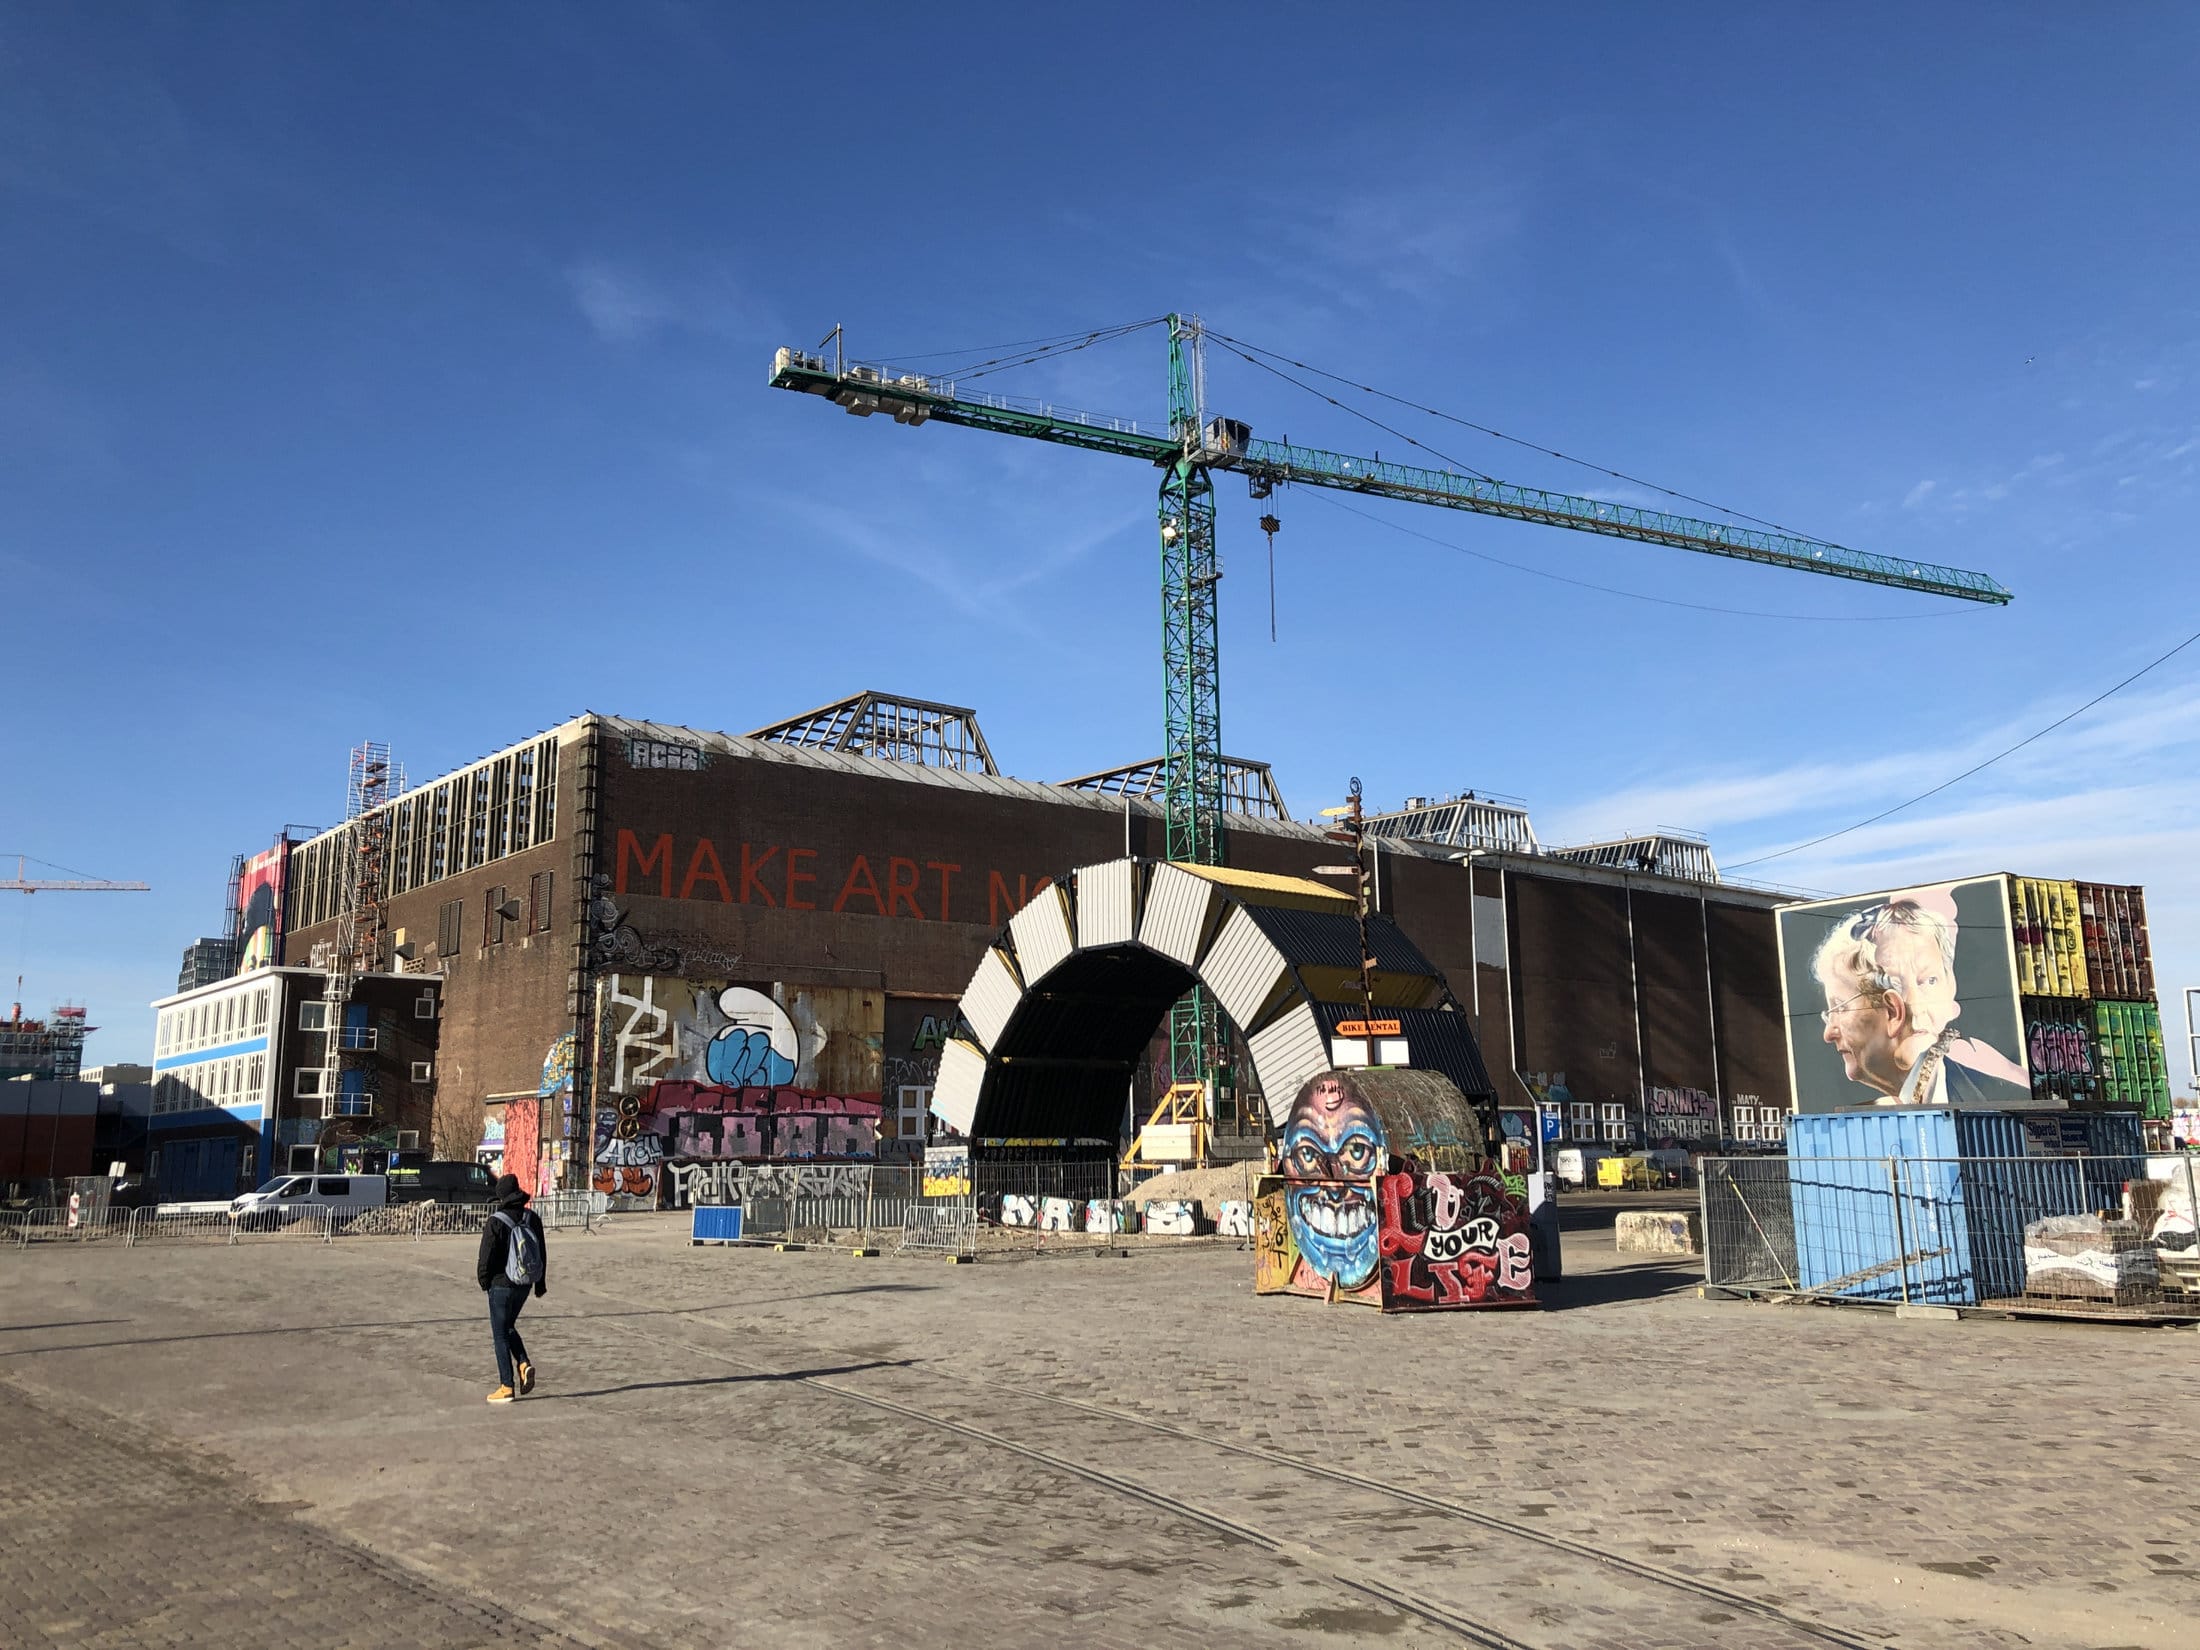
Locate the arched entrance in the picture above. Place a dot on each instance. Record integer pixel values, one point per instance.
(1071, 992)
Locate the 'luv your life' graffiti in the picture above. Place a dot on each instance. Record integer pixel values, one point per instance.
(1434, 1241)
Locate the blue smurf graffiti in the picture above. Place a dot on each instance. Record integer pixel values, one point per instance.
(758, 1047)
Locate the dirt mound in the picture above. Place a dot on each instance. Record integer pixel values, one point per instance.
(1206, 1187)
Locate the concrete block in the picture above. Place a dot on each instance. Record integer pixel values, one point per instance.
(1659, 1232)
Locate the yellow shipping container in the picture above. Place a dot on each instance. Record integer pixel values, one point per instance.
(2050, 936)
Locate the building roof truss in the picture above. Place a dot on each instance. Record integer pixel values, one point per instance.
(890, 727)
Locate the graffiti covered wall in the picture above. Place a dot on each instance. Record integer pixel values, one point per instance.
(1387, 1196)
(706, 1072)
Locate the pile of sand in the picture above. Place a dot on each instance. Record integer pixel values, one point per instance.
(1206, 1187)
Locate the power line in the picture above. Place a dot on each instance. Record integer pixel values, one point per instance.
(1634, 595)
(1517, 441)
(2029, 738)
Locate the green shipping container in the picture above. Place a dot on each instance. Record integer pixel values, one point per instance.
(2131, 1057)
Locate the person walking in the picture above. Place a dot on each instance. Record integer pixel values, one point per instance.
(513, 1261)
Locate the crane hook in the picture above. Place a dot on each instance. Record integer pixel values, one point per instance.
(1269, 525)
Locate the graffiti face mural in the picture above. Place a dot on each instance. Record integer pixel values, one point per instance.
(1391, 1191)
(1331, 1148)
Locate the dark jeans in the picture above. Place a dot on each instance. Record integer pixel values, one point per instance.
(505, 1300)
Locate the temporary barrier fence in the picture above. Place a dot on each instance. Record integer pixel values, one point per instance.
(2089, 1237)
(939, 1228)
(24, 1228)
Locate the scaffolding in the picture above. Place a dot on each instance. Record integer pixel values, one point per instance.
(892, 728)
(44, 1049)
(360, 921)
(1247, 787)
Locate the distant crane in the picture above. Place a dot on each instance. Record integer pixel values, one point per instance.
(31, 885)
(1192, 447)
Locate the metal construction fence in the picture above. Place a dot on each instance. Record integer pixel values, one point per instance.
(21, 1229)
(2075, 1236)
(1001, 1207)
(940, 1229)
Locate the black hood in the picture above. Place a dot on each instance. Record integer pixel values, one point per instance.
(508, 1193)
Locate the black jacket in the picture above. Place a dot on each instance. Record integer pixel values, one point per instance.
(496, 1242)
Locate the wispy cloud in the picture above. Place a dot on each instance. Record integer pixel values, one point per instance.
(987, 596)
(1917, 495)
(625, 304)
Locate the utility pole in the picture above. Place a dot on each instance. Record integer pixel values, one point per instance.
(1353, 830)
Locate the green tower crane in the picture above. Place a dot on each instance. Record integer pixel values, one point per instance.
(1187, 453)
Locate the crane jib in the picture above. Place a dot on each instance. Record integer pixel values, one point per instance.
(911, 399)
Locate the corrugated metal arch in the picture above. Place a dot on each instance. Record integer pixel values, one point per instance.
(1071, 992)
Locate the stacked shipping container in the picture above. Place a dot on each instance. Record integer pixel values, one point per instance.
(2093, 1032)
(2134, 1069)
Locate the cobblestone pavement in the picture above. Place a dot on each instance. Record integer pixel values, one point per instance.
(288, 1444)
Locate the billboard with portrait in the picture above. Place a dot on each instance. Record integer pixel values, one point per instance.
(1906, 998)
(260, 908)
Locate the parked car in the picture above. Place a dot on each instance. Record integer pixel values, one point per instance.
(272, 1204)
(442, 1183)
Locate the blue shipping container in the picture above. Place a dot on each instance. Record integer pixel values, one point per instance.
(716, 1223)
(1920, 1204)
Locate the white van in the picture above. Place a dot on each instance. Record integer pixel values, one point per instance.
(343, 1193)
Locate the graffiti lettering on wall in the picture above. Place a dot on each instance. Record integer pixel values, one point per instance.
(707, 1122)
(791, 878)
(723, 1183)
(947, 1171)
(1452, 1240)
(1682, 1114)
(2059, 1049)
(713, 1072)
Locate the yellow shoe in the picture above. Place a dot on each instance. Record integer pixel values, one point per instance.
(502, 1395)
(526, 1379)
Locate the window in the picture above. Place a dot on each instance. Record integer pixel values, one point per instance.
(311, 1083)
(424, 1006)
(422, 1071)
(313, 1015)
(1584, 1120)
(256, 1075)
(449, 920)
(1615, 1123)
(335, 1186)
(538, 902)
(259, 1012)
(914, 1098)
(492, 916)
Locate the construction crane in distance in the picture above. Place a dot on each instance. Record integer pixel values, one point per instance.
(1189, 450)
(23, 884)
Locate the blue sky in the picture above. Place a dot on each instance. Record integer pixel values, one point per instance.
(399, 372)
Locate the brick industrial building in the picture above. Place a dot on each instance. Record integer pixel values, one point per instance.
(627, 915)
